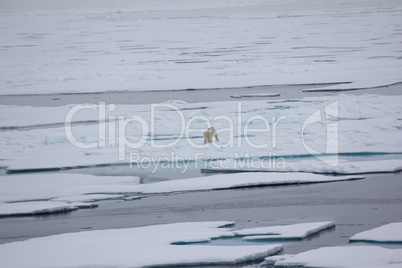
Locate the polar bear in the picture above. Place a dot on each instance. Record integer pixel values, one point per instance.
(209, 134)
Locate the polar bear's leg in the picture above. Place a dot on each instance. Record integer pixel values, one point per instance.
(216, 136)
(206, 136)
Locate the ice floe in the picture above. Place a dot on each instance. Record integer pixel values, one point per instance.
(309, 165)
(345, 257)
(246, 129)
(293, 231)
(62, 187)
(154, 46)
(31, 194)
(389, 233)
(134, 247)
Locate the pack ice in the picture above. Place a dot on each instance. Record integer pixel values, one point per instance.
(54, 193)
(150, 45)
(345, 257)
(247, 130)
(134, 247)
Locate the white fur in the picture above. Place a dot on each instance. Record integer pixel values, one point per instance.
(209, 134)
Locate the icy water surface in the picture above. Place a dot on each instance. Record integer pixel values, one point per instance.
(354, 206)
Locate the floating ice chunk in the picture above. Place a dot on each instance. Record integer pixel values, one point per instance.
(134, 247)
(346, 257)
(272, 259)
(260, 95)
(34, 208)
(293, 231)
(82, 205)
(239, 180)
(79, 188)
(389, 233)
(315, 166)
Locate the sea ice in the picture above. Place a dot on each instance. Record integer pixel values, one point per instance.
(64, 191)
(34, 208)
(260, 95)
(313, 166)
(389, 233)
(87, 198)
(133, 247)
(62, 187)
(293, 231)
(362, 119)
(146, 45)
(345, 257)
(272, 259)
(363, 84)
(239, 180)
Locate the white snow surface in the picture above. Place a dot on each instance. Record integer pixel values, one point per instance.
(133, 247)
(157, 45)
(293, 231)
(34, 193)
(389, 233)
(346, 257)
(273, 128)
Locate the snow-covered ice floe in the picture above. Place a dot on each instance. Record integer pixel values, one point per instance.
(293, 231)
(149, 45)
(154, 246)
(55, 193)
(368, 125)
(272, 259)
(20, 194)
(34, 208)
(345, 257)
(389, 233)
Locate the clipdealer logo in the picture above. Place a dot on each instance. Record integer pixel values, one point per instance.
(240, 128)
(330, 112)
